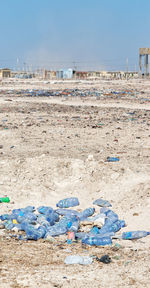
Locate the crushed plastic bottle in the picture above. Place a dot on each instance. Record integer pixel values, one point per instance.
(102, 203)
(86, 213)
(111, 216)
(68, 202)
(134, 235)
(27, 216)
(66, 212)
(77, 259)
(62, 226)
(45, 210)
(73, 225)
(9, 225)
(111, 227)
(35, 234)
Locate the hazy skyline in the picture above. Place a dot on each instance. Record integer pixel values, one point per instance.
(86, 34)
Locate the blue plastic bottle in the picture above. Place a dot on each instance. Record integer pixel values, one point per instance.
(45, 210)
(113, 159)
(97, 241)
(68, 202)
(112, 216)
(86, 213)
(102, 203)
(26, 216)
(112, 227)
(35, 234)
(66, 212)
(73, 226)
(134, 235)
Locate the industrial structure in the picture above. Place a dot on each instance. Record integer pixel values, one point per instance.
(144, 52)
(5, 73)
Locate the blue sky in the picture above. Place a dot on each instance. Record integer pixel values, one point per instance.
(86, 34)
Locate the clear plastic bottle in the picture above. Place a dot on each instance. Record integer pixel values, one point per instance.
(68, 202)
(134, 235)
(77, 259)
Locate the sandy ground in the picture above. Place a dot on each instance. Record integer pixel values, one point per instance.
(55, 147)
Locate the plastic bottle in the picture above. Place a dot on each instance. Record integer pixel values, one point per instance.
(113, 159)
(111, 227)
(68, 202)
(45, 210)
(23, 210)
(5, 217)
(94, 231)
(81, 235)
(56, 230)
(42, 220)
(97, 241)
(86, 213)
(9, 225)
(4, 200)
(73, 226)
(66, 212)
(102, 203)
(134, 235)
(35, 234)
(29, 216)
(52, 218)
(111, 216)
(84, 235)
(77, 259)
(62, 226)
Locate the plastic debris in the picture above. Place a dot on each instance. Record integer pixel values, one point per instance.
(105, 259)
(134, 235)
(102, 203)
(4, 200)
(97, 241)
(68, 202)
(77, 259)
(45, 222)
(113, 159)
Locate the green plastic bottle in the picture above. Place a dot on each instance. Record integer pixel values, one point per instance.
(4, 200)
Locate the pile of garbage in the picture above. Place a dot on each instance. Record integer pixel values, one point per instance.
(87, 226)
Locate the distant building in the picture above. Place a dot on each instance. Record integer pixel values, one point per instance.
(64, 74)
(5, 73)
(144, 52)
(81, 75)
(49, 75)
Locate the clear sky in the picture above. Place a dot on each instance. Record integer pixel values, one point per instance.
(86, 34)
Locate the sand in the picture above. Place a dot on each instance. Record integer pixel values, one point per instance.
(56, 147)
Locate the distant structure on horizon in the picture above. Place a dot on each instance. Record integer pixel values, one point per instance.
(144, 52)
(5, 73)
